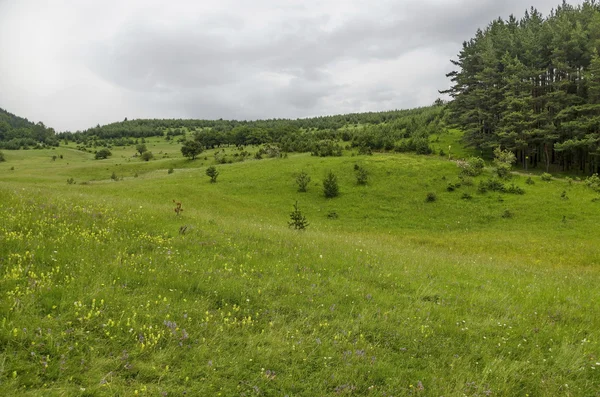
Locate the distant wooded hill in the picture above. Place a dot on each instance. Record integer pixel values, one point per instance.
(532, 85)
(17, 132)
(401, 130)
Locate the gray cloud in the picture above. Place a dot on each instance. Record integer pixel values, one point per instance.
(74, 65)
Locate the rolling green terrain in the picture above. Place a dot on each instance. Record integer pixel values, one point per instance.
(106, 290)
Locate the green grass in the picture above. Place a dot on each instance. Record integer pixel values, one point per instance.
(103, 294)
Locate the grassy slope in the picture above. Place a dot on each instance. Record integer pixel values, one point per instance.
(395, 297)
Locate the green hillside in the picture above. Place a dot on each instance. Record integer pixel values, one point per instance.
(19, 133)
(108, 291)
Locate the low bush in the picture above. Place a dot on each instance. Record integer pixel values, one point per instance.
(330, 185)
(362, 176)
(452, 186)
(514, 189)
(507, 214)
(593, 182)
(302, 180)
(472, 167)
(491, 184)
(147, 156)
(213, 173)
(102, 154)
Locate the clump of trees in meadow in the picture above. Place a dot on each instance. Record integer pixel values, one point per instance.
(532, 86)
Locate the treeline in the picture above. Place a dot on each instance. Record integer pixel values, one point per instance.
(532, 85)
(401, 130)
(19, 133)
(406, 130)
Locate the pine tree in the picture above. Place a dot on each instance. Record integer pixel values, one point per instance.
(297, 219)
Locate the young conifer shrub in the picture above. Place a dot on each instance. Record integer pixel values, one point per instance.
(297, 219)
(330, 185)
(362, 175)
(303, 179)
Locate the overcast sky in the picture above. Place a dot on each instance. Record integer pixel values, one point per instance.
(74, 64)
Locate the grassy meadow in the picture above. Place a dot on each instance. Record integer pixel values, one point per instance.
(106, 291)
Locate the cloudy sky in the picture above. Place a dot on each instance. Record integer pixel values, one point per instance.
(76, 63)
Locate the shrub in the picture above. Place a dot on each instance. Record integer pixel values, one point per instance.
(147, 156)
(362, 175)
(431, 197)
(422, 145)
(170, 171)
(303, 179)
(507, 214)
(330, 185)
(452, 186)
(272, 151)
(514, 189)
(2, 158)
(564, 196)
(466, 196)
(472, 167)
(365, 150)
(114, 176)
(546, 177)
(326, 147)
(297, 219)
(70, 181)
(466, 180)
(213, 173)
(103, 154)
(141, 148)
(332, 215)
(593, 182)
(491, 184)
(503, 160)
(530, 181)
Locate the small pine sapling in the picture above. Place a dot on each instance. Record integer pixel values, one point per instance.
(297, 219)
(303, 179)
(362, 175)
(330, 185)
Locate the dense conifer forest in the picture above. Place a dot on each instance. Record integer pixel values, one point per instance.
(532, 85)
